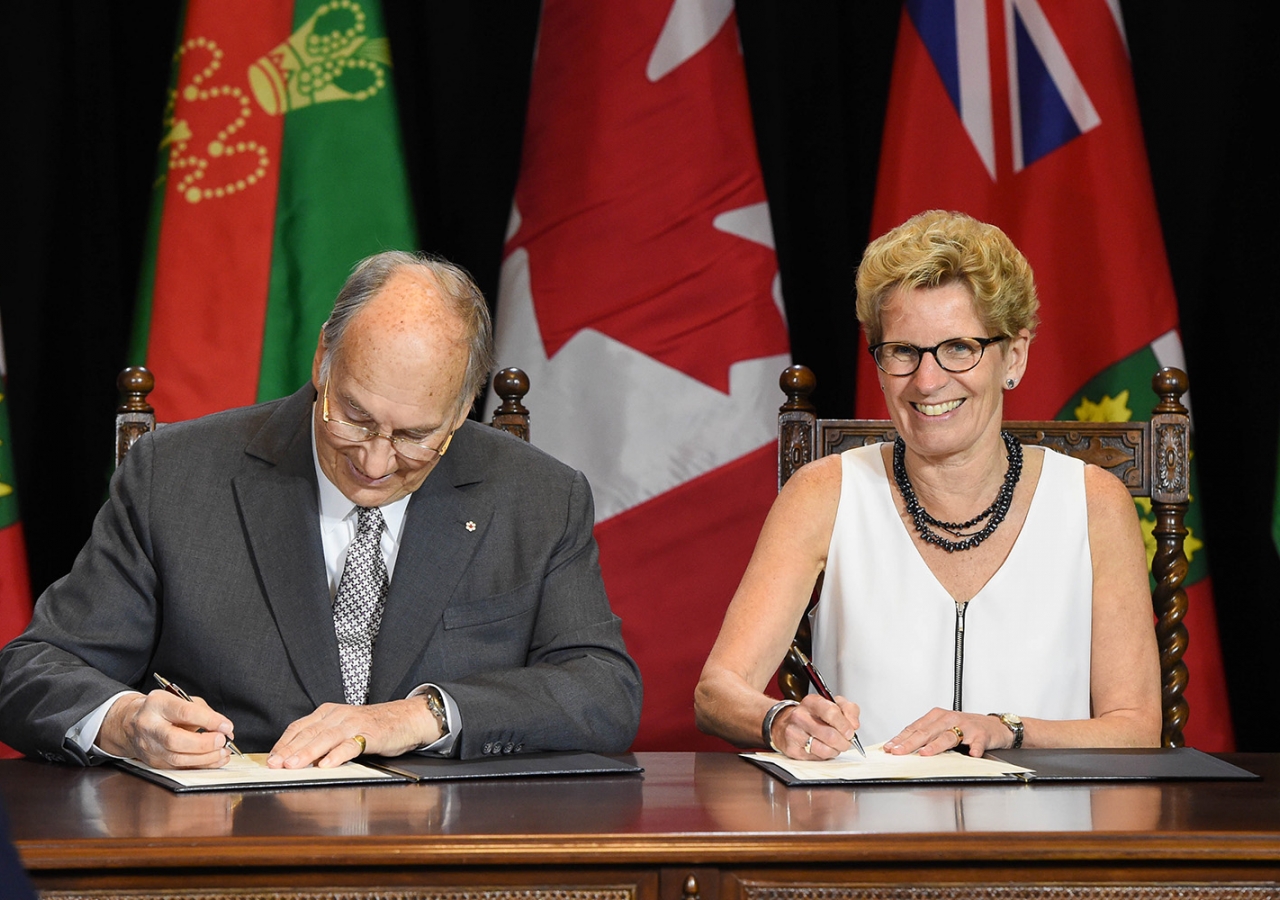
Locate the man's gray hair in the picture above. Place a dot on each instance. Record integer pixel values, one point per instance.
(371, 274)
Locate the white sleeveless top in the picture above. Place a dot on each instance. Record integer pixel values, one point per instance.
(884, 630)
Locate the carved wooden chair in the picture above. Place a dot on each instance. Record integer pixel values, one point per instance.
(135, 416)
(1151, 458)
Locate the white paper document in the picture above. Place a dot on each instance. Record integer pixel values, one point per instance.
(881, 766)
(251, 770)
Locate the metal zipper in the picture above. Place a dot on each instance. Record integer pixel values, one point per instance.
(959, 688)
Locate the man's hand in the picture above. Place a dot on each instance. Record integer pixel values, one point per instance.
(166, 731)
(327, 736)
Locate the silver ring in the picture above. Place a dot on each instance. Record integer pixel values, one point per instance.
(808, 745)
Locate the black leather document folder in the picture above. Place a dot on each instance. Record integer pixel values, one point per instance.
(1163, 764)
(521, 765)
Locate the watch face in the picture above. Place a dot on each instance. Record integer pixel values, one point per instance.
(1011, 719)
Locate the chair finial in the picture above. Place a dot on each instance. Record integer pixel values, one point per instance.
(134, 384)
(511, 385)
(798, 383)
(511, 415)
(1170, 384)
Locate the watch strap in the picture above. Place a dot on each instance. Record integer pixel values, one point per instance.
(1014, 724)
(435, 705)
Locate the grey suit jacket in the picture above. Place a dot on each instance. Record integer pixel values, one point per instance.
(205, 565)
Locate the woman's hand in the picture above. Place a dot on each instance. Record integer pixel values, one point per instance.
(817, 728)
(940, 730)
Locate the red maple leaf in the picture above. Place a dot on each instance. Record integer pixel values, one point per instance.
(622, 178)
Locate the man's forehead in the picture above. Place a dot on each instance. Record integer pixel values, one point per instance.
(410, 307)
(416, 374)
(393, 402)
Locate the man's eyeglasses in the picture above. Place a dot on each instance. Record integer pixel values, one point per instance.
(954, 355)
(409, 449)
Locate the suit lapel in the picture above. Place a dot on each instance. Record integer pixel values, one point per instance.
(280, 513)
(444, 525)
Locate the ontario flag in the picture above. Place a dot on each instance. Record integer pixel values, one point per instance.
(15, 586)
(639, 290)
(279, 169)
(1022, 113)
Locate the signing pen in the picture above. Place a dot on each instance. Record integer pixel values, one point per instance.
(816, 678)
(179, 692)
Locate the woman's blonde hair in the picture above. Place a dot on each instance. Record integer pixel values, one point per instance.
(937, 248)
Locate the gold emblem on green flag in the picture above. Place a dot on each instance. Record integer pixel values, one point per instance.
(328, 58)
(1116, 409)
(190, 167)
(1107, 409)
(6, 489)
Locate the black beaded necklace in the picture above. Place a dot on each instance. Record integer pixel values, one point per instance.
(993, 514)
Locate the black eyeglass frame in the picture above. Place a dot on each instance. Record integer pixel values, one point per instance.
(982, 342)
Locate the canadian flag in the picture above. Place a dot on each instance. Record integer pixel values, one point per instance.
(639, 290)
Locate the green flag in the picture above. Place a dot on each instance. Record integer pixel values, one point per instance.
(281, 166)
(15, 587)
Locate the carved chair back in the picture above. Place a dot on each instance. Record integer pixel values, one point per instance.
(135, 416)
(1151, 458)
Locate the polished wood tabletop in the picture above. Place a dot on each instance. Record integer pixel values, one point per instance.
(681, 808)
(686, 807)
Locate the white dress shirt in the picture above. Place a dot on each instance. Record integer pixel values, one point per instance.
(337, 531)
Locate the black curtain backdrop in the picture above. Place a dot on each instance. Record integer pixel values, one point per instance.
(85, 89)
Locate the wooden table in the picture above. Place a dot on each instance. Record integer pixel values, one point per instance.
(705, 825)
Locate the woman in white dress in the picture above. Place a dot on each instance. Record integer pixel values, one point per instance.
(975, 592)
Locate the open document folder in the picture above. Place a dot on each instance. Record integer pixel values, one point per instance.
(251, 771)
(879, 767)
(1033, 765)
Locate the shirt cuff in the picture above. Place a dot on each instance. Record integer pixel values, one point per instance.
(452, 716)
(84, 733)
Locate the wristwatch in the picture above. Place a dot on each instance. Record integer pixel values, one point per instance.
(1014, 724)
(435, 703)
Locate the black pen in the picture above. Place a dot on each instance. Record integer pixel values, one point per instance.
(179, 692)
(812, 671)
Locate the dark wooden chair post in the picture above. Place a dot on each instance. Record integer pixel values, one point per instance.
(1170, 491)
(797, 438)
(511, 415)
(797, 421)
(134, 415)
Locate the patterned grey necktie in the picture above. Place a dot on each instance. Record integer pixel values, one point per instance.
(357, 610)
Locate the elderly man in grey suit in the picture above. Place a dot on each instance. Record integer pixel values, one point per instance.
(354, 568)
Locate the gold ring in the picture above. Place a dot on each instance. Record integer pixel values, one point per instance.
(959, 734)
(359, 739)
(808, 745)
